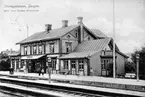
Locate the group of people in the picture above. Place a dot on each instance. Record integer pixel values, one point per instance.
(42, 71)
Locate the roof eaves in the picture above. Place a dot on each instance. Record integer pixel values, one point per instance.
(122, 54)
(118, 52)
(88, 55)
(90, 31)
(38, 40)
(109, 39)
(70, 31)
(100, 34)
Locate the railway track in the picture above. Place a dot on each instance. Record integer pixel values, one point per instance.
(72, 93)
(62, 90)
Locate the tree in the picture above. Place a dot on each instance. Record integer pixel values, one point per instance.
(141, 61)
(129, 67)
(4, 62)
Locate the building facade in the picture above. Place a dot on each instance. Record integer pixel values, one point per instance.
(73, 49)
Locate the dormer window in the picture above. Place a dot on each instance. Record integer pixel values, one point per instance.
(68, 47)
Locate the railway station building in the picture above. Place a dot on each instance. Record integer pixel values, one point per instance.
(71, 49)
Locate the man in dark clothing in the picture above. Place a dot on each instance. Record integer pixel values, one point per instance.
(39, 71)
(42, 71)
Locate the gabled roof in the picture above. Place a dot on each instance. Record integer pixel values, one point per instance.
(98, 33)
(88, 48)
(52, 34)
(92, 45)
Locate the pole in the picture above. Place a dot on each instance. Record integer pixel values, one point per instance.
(137, 63)
(114, 65)
(137, 70)
(49, 74)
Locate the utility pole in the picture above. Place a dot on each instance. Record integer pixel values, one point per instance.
(114, 65)
(27, 27)
(24, 27)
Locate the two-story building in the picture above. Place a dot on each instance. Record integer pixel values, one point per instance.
(75, 49)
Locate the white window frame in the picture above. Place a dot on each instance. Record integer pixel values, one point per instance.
(73, 64)
(25, 50)
(81, 64)
(51, 47)
(35, 50)
(68, 47)
(65, 64)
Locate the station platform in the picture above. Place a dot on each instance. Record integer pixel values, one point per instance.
(73, 79)
(80, 78)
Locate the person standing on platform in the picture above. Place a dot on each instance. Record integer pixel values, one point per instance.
(25, 69)
(39, 71)
(42, 71)
(49, 74)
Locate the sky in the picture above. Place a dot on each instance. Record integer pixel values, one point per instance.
(97, 14)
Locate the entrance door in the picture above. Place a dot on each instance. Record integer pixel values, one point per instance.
(52, 65)
(73, 67)
(106, 67)
(33, 66)
(81, 67)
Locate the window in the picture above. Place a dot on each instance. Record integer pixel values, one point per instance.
(53, 64)
(81, 64)
(17, 63)
(65, 64)
(76, 34)
(13, 63)
(104, 63)
(68, 36)
(34, 49)
(25, 50)
(30, 50)
(88, 38)
(73, 64)
(51, 47)
(22, 64)
(68, 47)
(40, 51)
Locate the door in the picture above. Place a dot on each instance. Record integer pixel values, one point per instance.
(105, 66)
(73, 67)
(81, 67)
(53, 64)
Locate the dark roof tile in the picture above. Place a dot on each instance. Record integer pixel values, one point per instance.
(78, 54)
(54, 33)
(93, 45)
(98, 33)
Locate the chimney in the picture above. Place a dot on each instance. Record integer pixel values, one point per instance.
(80, 20)
(80, 23)
(64, 23)
(48, 27)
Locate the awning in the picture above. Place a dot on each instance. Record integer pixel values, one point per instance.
(78, 55)
(32, 57)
